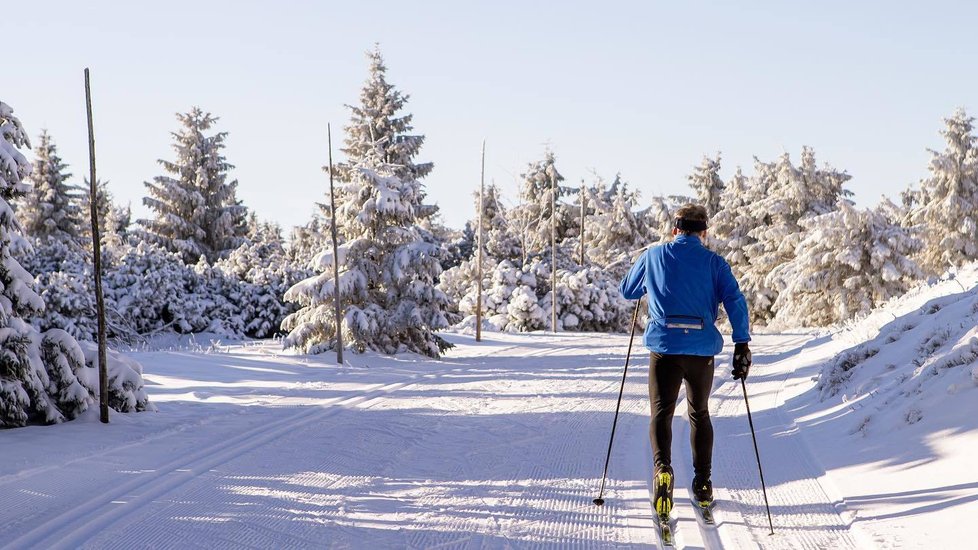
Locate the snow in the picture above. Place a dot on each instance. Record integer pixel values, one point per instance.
(501, 444)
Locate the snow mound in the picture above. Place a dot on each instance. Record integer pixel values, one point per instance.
(914, 359)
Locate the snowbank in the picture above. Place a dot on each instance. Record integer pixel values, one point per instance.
(913, 360)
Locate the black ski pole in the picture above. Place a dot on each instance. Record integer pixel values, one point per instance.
(757, 453)
(600, 501)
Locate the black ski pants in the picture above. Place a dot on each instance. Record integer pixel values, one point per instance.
(666, 375)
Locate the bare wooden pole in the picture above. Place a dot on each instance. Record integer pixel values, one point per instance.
(583, 205)
(482, 194)
(338, 311)
(103, 371)
(553, 251)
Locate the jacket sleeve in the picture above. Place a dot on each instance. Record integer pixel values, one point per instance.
(632, 287)
(733, 302)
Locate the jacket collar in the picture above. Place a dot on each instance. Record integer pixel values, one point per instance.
(688, 239)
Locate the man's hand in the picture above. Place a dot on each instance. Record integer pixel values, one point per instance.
(741, 361)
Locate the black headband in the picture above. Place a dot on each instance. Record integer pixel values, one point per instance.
(694, 226)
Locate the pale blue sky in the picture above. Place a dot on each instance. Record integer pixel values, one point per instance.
(644, 88)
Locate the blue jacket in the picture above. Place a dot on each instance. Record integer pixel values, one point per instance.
(686, 283)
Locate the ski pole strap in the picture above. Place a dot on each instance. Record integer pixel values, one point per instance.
(685, 224)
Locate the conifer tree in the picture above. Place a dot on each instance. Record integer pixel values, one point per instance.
(50, 209)
(730, 228)
(196, 209)
(389, 263)
(617, 231)
(849, 262)
(37, 380)
(706, 183)
(946, 206)
(532, 218)
(791, 194)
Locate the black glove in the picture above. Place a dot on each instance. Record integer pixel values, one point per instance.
(741, 361)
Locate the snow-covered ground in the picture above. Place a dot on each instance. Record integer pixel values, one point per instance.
(499, 445)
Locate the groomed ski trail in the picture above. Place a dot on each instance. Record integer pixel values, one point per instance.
(500, 445)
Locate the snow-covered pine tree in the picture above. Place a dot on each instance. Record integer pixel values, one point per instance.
(657, 220)
(791, 194)
(37, 381)
(389, 263)
(614, 230)
(50, 210)
(460, 283)
(196, 209)
(849, 262)
(730, 227)
(113, 220)
(262, 273)
(706, 183)
(947, 202)
(531, 219)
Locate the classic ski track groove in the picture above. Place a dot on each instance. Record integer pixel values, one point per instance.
(816, 524)
(81, 523)
(78, 524)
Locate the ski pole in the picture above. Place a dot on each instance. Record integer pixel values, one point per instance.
(600, 501)
(757, 453)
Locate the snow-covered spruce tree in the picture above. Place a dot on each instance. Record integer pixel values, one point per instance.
(308, 240)
(389, 263)
(37, 373)
(657, 220)
(849, 261)
(729, 234)
(792, 194)
(113, 220)
(499, 240)
(196, 209)
(706, 183)
(615, 231)
(150, 290)
(262, 273)
(460, 283)
(50, 210)
(947, 202)
(531, 219)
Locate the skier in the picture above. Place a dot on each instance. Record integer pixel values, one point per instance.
(686, 282)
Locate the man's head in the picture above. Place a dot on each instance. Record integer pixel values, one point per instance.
(691, 219)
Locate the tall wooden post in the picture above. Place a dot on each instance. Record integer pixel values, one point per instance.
(583, 207)
(337, 311)
(103, 371)
(553, 250)
(478, 255)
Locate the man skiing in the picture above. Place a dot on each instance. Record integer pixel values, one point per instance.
(686, 282)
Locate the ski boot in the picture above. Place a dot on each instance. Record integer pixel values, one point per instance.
(702, 491)
(662, 499)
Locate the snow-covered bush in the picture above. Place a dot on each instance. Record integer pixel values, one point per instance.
(127, 392)
(151, 290)
(588, 300)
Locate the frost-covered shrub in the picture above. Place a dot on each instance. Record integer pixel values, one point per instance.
(127, 392)
(65, 281)
(588, 300)
(151, 290)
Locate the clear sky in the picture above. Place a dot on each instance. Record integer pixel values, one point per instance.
(642, 88)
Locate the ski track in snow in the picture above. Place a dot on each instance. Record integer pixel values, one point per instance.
(501, 445)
